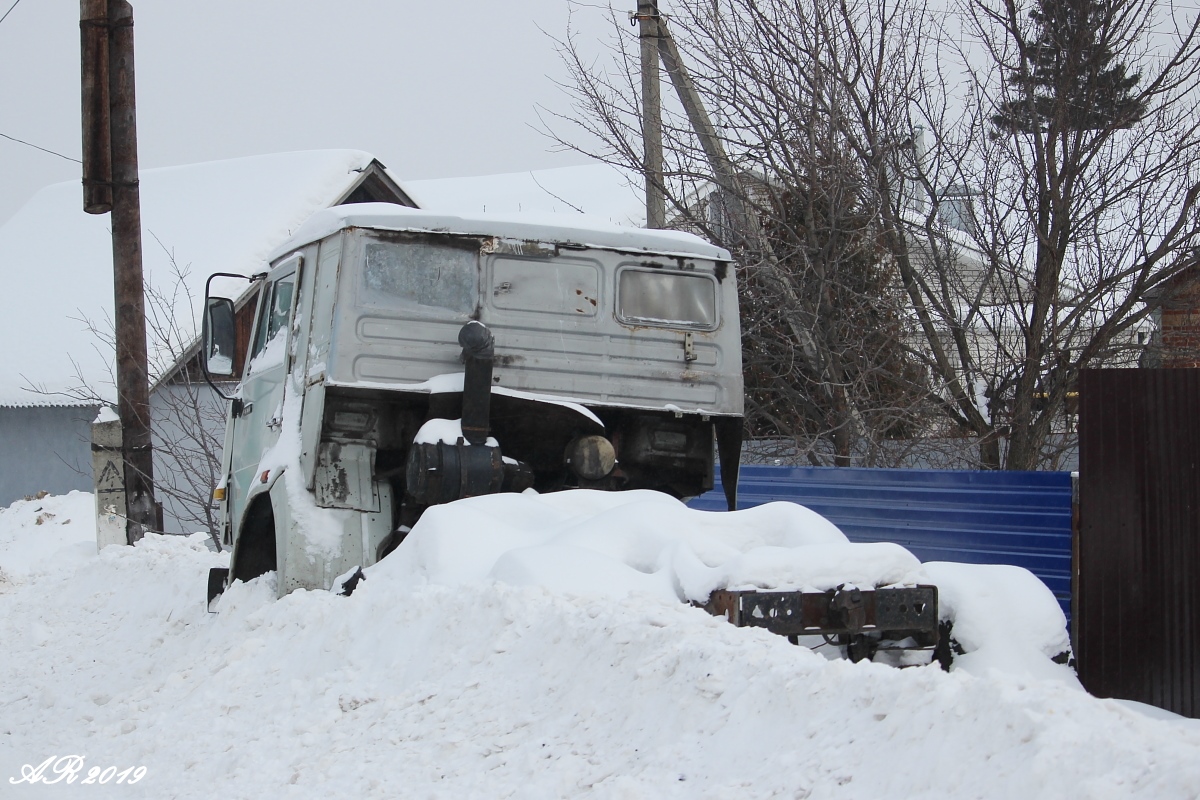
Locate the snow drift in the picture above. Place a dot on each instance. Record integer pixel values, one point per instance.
(646, 543)
(434, 680)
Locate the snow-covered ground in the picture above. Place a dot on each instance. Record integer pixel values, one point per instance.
(510, 650)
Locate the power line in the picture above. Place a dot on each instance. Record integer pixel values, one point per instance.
(34, 146)
(10, 8)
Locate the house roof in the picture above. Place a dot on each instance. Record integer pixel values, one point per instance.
(597, 191)
(224, 216)
(56, 261)
(1179, 283)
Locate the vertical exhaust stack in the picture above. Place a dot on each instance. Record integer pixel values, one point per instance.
(478, 351)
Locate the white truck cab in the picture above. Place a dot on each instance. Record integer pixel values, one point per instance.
(402, 358)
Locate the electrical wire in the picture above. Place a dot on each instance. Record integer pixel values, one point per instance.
(10, 8)
(34, 146)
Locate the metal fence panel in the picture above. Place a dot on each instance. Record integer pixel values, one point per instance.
(1138, 604)
(1018, 518)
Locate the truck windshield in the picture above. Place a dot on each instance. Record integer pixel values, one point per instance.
(407, 274)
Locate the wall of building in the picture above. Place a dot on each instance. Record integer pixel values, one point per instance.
(48, 448)
(45, 448)
(1180, 326)
(189, 431)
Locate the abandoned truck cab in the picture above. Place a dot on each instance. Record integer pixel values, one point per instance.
(401, 359)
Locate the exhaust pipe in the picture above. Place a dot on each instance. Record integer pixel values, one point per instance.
(478, 350)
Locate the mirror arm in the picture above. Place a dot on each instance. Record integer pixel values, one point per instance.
(255, 278)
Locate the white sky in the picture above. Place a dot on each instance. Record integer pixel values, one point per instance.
(432, 89)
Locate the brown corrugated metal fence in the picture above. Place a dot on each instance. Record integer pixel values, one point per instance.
(1137, 599)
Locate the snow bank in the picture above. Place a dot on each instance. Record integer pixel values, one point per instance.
(646, 543)
(475, 688)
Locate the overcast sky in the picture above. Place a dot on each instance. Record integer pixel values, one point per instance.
(433, 89)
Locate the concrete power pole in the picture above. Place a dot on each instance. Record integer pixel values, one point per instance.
(110, 135)
(648, 31)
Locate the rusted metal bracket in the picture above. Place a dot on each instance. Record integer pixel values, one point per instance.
(853, 615)
(643, 16)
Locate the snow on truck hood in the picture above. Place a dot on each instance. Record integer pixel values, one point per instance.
(566, 228)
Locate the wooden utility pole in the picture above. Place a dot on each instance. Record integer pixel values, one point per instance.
(723, 170)
(647, 17)
(118, 123)
(732, 196)
(97, 141)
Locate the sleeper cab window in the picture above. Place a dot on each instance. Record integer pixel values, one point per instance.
(667, 298)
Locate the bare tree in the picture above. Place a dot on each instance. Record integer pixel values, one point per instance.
(187, 417)
(817, 107)
(924, 270)
(1084, 151)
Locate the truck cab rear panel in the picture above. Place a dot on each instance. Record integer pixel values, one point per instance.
(579, 349)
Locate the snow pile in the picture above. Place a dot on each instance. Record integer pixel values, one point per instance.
(646, 543)
(45, 533)
(452, 687)
(1001, 618)
(615, 543)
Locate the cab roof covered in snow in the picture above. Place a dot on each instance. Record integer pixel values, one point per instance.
(529, 227)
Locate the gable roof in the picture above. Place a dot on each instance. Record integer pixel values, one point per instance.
(223, 216)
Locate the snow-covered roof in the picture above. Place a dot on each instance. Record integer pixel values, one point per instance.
(595, 190)
(56, 261)
(51, 402)
(577, 229)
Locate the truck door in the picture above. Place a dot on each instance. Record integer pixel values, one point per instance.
(257, 429)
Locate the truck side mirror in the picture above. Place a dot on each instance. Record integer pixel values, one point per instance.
(220, 336)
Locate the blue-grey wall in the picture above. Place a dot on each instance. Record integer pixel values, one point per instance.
(45, 448)
(49, 448)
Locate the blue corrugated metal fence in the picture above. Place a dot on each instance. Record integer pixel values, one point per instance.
(999, 517)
